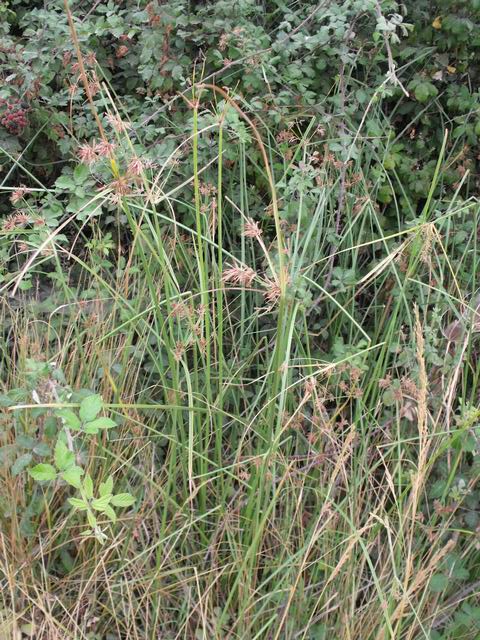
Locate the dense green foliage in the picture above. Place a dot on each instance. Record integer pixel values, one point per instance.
(296, 65)
(238, 261)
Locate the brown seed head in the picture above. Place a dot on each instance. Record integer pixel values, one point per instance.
(104, 149)
(272, 292)
(117, 123)
(241, 275)
(18, 194)
(87, 153)
(251, 229)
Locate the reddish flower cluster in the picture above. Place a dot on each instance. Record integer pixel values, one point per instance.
(241, 275)
(18, 194)
(16, 220)
(90, 153)
(14, 116)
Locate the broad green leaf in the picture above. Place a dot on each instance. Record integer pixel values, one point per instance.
(64, 458)
(92, 521)
(20, 463)
(88, 486)
(78, 504)
(65, 182)
(90, 407)
(99, 504)
(99, 423)
(90, 429)
(438, 582)
(122, 500)
(73, 476)
(110, 513)
(43, 472)
(106, 487)
(42, 449)
(26, 442)
(69, 418)
(50, 426)
(80, 173)
(424, 91)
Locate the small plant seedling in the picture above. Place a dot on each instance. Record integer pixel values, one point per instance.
(64, 466)
(104, 504)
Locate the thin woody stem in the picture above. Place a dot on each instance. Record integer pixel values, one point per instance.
(83, 73)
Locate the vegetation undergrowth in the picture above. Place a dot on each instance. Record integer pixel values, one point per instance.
(239, 381)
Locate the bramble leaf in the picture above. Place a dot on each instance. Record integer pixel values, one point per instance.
(43, 472)
(69, 418)
(64, 458)
(77, 503)
(73, 476)
(106, 487)
(90, 407)
(92, 521)
(99, 504)
(99, 423)
(110, 513)
(20, 463)
(88, 486)
(122, 500)
(438, 582)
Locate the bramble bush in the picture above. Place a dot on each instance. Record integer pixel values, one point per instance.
(238, 255)
(145, 54)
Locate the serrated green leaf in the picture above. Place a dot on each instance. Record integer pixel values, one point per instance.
(438, 582)
(90, 429)
(42, 449)
(26, 442)
(424, 91)
(99, 504)
(106, 487)
(122, 500)
(50, 426)
(65, 182)
(20, 463)
(110, 513)
(69, 418)
(469, 442)
(73, 476)
(43, 472)
(79, 504)
(92, 521)
(80, 173)
(64, 458)
(99, 423)
(90, 407)
(88, 486)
